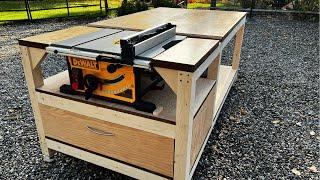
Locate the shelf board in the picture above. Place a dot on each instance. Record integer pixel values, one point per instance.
(203, 88)
(226, 77)
(165, 98)
(52, 84)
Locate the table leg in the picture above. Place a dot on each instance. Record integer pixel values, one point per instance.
(237, 48)
(184, 120)
(213, 73)
(34, 79)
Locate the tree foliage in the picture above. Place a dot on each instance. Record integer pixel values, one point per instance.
(131, 6)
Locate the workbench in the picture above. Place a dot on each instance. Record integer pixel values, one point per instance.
(143, 145)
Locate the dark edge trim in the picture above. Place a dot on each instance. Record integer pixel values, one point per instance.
(205, 99)
(60, 46)
(220, 38)
(205, 57)
(44, 45)
(109, 107)
(32, 44)
(172, 65)
(227, 34)
(120, 161)
(183, 67)
(136, 29)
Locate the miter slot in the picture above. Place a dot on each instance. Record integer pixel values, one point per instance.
(75, 41)
(67, 47)
(105, 45)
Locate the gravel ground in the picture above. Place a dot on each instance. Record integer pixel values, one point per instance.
(267, 129)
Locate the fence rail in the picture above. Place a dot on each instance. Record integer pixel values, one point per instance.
(37, 9)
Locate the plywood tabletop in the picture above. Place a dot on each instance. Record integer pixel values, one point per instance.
(186, 55)
(43, 40)
(194, 23)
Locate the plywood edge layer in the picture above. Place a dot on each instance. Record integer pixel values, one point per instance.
(101, 161)
(240, 22)
(232, 32)
(138, 122)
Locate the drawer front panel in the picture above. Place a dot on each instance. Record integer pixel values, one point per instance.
(201, 125)
(143, 149)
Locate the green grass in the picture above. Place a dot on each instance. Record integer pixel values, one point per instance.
(47, 4)
(198, 5)
(41, 14)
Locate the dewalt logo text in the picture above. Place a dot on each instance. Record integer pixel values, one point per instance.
(84, 63)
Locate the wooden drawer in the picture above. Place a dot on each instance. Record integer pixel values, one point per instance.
(139, 148)
(201, 126)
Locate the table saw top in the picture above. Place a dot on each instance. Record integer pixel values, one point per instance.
(213, 24)
(187, 55)
(195, 24)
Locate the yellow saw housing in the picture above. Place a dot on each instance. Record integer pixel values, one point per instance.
(116, 83)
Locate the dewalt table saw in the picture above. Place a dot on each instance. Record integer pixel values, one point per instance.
(111, 63)
(92, 111)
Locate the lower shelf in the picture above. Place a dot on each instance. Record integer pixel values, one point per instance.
(226, 77)
(165, 98)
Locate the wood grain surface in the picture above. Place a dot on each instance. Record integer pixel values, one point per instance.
(143, 149)
(201, 125)
(187, 55)
(43, 40)
(213, 24)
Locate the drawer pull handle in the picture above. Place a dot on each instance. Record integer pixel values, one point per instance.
(100, 132)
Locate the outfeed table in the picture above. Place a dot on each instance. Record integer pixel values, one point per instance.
(145, 145)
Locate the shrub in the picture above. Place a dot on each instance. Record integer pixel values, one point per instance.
(245, 3)
(306, 5)
(165, 3)
(131, 6)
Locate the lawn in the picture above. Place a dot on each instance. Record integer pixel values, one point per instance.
(51, 13)
(92, 8)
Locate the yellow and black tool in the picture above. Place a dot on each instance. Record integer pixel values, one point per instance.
(102, 79)
(110, 63)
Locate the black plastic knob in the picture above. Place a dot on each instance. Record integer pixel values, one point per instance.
(111, 68)
(91, 83)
